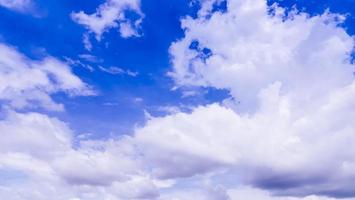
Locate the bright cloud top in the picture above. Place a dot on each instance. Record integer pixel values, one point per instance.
(288, 127)
(286, 133)
(112, 14)
(257, 46)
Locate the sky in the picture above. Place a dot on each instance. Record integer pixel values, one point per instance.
(177, 100)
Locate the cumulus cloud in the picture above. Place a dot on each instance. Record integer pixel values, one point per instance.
(34, 134)
(288, 126)
(256, 45)
(112, 14)
(286, 133)
(39, 156)
(27, 83)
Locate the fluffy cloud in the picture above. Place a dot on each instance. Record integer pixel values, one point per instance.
(288, 126)
(41, 160)
(19, 5)
(256, 45)
(27, 83)
(35, 134)
(276, 148)
(112, 14)
(40, 157)
(286, 133)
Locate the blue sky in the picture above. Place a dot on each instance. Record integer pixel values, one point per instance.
(170, 99)
(49, 29)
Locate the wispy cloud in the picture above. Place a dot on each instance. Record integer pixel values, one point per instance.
(90, 58)
(18, 5)
(26, 83)
(117, 70)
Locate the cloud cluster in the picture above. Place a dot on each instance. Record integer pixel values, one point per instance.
(288, 127)
(286, 133)
(112, 14)
(40, 156)
(252, 46)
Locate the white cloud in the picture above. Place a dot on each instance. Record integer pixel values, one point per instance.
(291, 137)
(112, 14)
(112, 161)
(247, 193)
(252, 50)
(38, 156)
(87, 42)
(117, 70)
(211, 193)
(289, 129)
(276, 148)
(239, 193)
(89, 58)
(79, 63)
(136, 188)
(35, 134)
(19, 5)
(27, 83)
